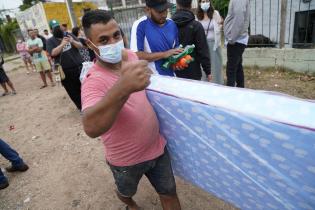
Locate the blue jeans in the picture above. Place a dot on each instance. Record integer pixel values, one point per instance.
(10, 154)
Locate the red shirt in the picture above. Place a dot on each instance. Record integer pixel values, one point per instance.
(134, 137)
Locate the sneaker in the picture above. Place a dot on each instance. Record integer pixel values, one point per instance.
(20, 168)
(5, 94)
(4, 184)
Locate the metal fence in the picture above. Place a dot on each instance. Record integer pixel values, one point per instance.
(128, 11)
(126, 17)
(300, 22)
(264, 22)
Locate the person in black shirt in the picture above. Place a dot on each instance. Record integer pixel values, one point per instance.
(192, 32)
(86, 53)
(4, 80)
(42, 38)
(64, 48)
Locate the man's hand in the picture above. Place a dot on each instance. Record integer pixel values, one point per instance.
(135, 76)
(70, 39)
(65, 41)
(171, 52)
(209, 78)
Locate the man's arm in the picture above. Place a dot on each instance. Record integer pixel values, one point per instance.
(158, 55)
(74, 42)
(57, 50)
(99, 118)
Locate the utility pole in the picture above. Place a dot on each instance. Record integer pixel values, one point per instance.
(72, 17)
(283, 21)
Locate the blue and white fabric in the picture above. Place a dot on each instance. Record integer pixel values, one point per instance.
(253, 149)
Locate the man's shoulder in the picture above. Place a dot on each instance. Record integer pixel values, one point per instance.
(52, 40)
(95, 74)
(140, 22)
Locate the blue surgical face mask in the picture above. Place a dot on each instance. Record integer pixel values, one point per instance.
(111, 53)
(205, 6)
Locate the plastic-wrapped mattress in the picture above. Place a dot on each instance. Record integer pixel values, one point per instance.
(251, 148)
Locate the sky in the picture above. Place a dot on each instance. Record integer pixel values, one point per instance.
(10, 4)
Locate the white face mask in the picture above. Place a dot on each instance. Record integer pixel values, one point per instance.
(205, 6)
(111, 53)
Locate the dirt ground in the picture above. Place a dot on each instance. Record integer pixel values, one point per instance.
(67, 169)
(288, 82)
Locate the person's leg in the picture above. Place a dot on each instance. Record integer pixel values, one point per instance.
(162, 179)
(11, 86)
(47, 67)
(4, 86)
(3, 181)
(212, 60)
(132, 205)
(10, 154)
(17, 163)
(43, 77)
(49, 75)
(41, 71)
(240, 72)
(218, 65)
(127, 180)
(26, 65)
(72, 85)
(233, 59)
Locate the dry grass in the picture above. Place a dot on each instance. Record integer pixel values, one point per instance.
(292, 83)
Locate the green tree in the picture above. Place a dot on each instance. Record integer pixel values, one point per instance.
(29, 3)
(222, 6)
(7, 35)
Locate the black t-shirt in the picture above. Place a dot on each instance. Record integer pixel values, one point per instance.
(91, 52)
(44, 41)
(69, 57)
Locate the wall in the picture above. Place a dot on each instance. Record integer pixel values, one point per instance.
(299, 60)
(31, 18)
(265, 18)
(59, 11)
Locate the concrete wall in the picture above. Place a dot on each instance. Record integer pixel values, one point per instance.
(265, 18)
(299, 60)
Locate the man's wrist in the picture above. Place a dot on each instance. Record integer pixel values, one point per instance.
(123, 89)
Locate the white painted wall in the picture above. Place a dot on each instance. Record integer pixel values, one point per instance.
(299, 60)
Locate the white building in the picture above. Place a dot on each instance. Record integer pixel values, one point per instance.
(300, 21)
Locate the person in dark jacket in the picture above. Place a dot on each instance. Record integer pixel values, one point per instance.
(192, 32)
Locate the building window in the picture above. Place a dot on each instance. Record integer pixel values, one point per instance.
(304, 29)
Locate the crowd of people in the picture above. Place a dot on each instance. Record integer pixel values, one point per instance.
(112, 97)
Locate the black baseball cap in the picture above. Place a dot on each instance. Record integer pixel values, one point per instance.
(158, 5)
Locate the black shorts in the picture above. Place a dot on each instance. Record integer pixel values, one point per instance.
(3, 76)
(158, 171)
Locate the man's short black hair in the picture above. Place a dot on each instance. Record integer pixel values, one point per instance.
(184, 3)
(94, 17)
(45, 30)
(75, 31)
